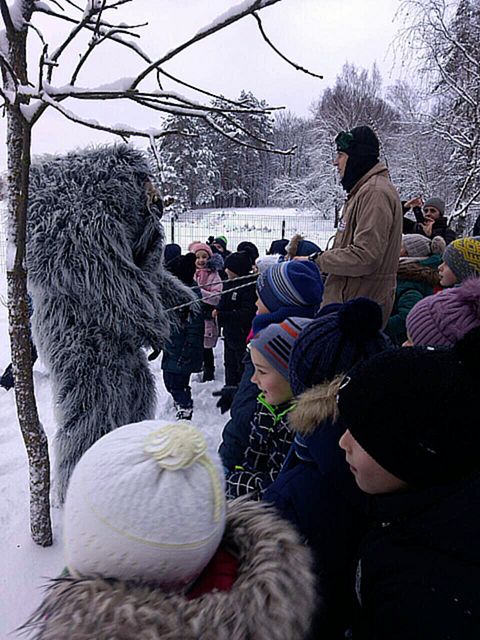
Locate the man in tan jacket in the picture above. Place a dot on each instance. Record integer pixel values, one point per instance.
(364, 257)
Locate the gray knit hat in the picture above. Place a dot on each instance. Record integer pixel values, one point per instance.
(418, 246)
(276, 341)
(438, 203)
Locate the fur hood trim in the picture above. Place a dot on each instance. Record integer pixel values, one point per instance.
(418, 272)
(292, 246)
(273, 597)
(316, 405)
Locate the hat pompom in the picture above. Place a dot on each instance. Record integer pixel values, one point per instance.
(438, 245)
(360, 319)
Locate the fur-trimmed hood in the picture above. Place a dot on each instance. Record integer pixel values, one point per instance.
(315, 406)
(298, 246)
(424, 271)
(273, 597)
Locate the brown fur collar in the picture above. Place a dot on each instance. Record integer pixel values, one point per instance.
(273, 597)
(292, 246)
(418, 272)
(314, 406)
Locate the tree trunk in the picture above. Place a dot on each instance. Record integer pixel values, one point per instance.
(18, 150)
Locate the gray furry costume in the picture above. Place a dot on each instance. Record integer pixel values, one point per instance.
(273, 597)
(99, 289)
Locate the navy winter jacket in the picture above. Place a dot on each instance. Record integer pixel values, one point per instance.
(319, 495)
(183, 353)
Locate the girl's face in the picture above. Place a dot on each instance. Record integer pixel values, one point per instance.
(447, 277)
(273, 385)
(201, 258)
(369, 475)
(261, 308)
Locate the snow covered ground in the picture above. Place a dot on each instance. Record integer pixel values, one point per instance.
(25, 567)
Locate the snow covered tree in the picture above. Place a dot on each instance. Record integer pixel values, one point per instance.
(441, 36)
(27, 95)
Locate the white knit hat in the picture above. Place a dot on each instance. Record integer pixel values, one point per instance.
(145, 502)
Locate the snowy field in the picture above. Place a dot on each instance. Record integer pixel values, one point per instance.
(25, 567)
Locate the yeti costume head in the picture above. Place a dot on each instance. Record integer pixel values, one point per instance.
(99, 289)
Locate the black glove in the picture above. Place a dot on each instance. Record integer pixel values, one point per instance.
(226, 395)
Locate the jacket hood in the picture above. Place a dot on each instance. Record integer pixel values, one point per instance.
(273, 597)
(315, 406)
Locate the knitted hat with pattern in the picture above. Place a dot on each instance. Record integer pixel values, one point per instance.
(463, 257)
(275, 342)
(145, 502)
(339, 337)
(442, 319)
(384, 404)
(289, 284)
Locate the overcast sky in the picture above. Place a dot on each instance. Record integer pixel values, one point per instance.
(318, 34)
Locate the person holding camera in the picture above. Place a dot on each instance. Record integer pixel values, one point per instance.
(430, 220)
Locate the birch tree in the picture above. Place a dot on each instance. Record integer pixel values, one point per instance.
(28, 91)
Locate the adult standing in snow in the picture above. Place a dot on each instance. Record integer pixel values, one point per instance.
(364, 259)
(99, 291)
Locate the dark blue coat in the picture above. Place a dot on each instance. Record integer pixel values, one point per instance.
(418, 573)
(320, 496)
(183, 353)
(237, 430)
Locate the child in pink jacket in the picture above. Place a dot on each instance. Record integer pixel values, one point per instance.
(208, 279)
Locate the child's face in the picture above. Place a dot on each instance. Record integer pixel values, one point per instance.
(447, 277)
(261, 308)
(275, 387)
(369, 475)
(408, 342)
(201, 259)
(230, 274)
(403, 251)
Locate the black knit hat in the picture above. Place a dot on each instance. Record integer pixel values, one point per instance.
(341, 336)
(249, 248)
(388, 407)
(362, 147)
(239, 262)
(359, 142)
(183, 267)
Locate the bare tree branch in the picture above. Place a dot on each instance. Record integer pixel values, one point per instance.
(221, 22)
(279, 53)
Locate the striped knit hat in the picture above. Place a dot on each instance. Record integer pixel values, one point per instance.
(276, 341)
(463, 257)
(295, 283)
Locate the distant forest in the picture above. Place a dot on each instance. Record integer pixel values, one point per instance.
(429, 129)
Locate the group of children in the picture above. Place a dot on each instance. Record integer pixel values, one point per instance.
(368, 453)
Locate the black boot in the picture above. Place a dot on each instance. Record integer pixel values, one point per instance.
(208, 374)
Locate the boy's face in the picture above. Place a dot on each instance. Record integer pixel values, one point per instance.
(275, 387)
(261, 308)
(201, 258)
(447, 277)
(369, 475)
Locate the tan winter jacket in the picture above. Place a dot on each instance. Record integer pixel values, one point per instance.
(364, 257)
